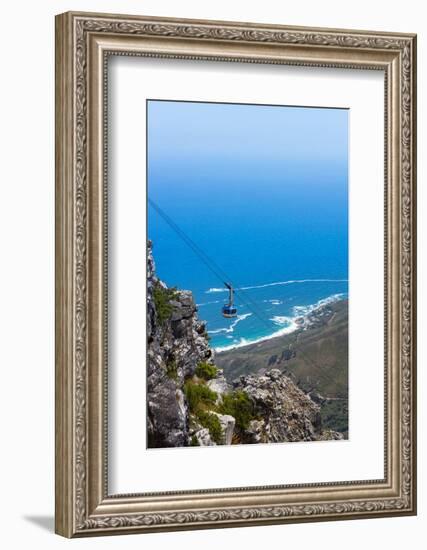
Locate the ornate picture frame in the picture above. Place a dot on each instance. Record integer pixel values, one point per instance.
(84, 42)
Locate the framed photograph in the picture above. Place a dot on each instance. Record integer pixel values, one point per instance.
(235, 274)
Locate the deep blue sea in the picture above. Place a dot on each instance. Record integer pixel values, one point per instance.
(283, 262)
(263, 192)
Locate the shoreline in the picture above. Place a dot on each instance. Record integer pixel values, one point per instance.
(314, 357)
(315, 316)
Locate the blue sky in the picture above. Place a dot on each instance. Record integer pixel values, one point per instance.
(238, 177)
(182, 130)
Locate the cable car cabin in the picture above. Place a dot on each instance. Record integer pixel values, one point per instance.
(229, 310)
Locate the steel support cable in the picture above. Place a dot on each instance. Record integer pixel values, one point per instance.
(220, 274)
(210, 264)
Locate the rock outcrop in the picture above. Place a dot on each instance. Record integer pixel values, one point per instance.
(189, 400)
(177, 344)
(282, 411)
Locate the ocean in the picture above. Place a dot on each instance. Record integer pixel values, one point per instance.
(275, 283)
(263, 192)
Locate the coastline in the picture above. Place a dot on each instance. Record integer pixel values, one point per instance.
(314, 357)
(308, 317)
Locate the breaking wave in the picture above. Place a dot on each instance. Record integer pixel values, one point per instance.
(287, 324)
(232, 326)
(279, 283)
(302, 311)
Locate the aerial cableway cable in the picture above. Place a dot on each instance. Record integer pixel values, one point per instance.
(221, 275)
(210, 264)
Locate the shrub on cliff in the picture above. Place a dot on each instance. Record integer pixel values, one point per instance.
(238, 404)
(199, 396)
(194, 442)
(162, 298)
(201, 400)
(212, 423)
(172, 370)
(206, 371)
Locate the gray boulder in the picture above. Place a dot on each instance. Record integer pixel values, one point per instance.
(227, 425)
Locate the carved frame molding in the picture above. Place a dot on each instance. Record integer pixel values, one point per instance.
(83, 42)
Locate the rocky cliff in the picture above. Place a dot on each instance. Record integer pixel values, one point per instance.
(190, 402)
(177, 343)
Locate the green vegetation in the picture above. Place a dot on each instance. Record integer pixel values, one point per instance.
(172, 370)
(239, 405)
(199, 396)
(194, 442)
(162, 298)
(201, 401)
(211, 422)
(335, 416)
(206, 371)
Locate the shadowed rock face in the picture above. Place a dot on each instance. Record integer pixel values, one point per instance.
(175, 347)
(176, 344)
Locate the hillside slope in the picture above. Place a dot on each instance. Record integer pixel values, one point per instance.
(316, 359)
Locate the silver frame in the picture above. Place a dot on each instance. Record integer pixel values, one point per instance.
(83, 43)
